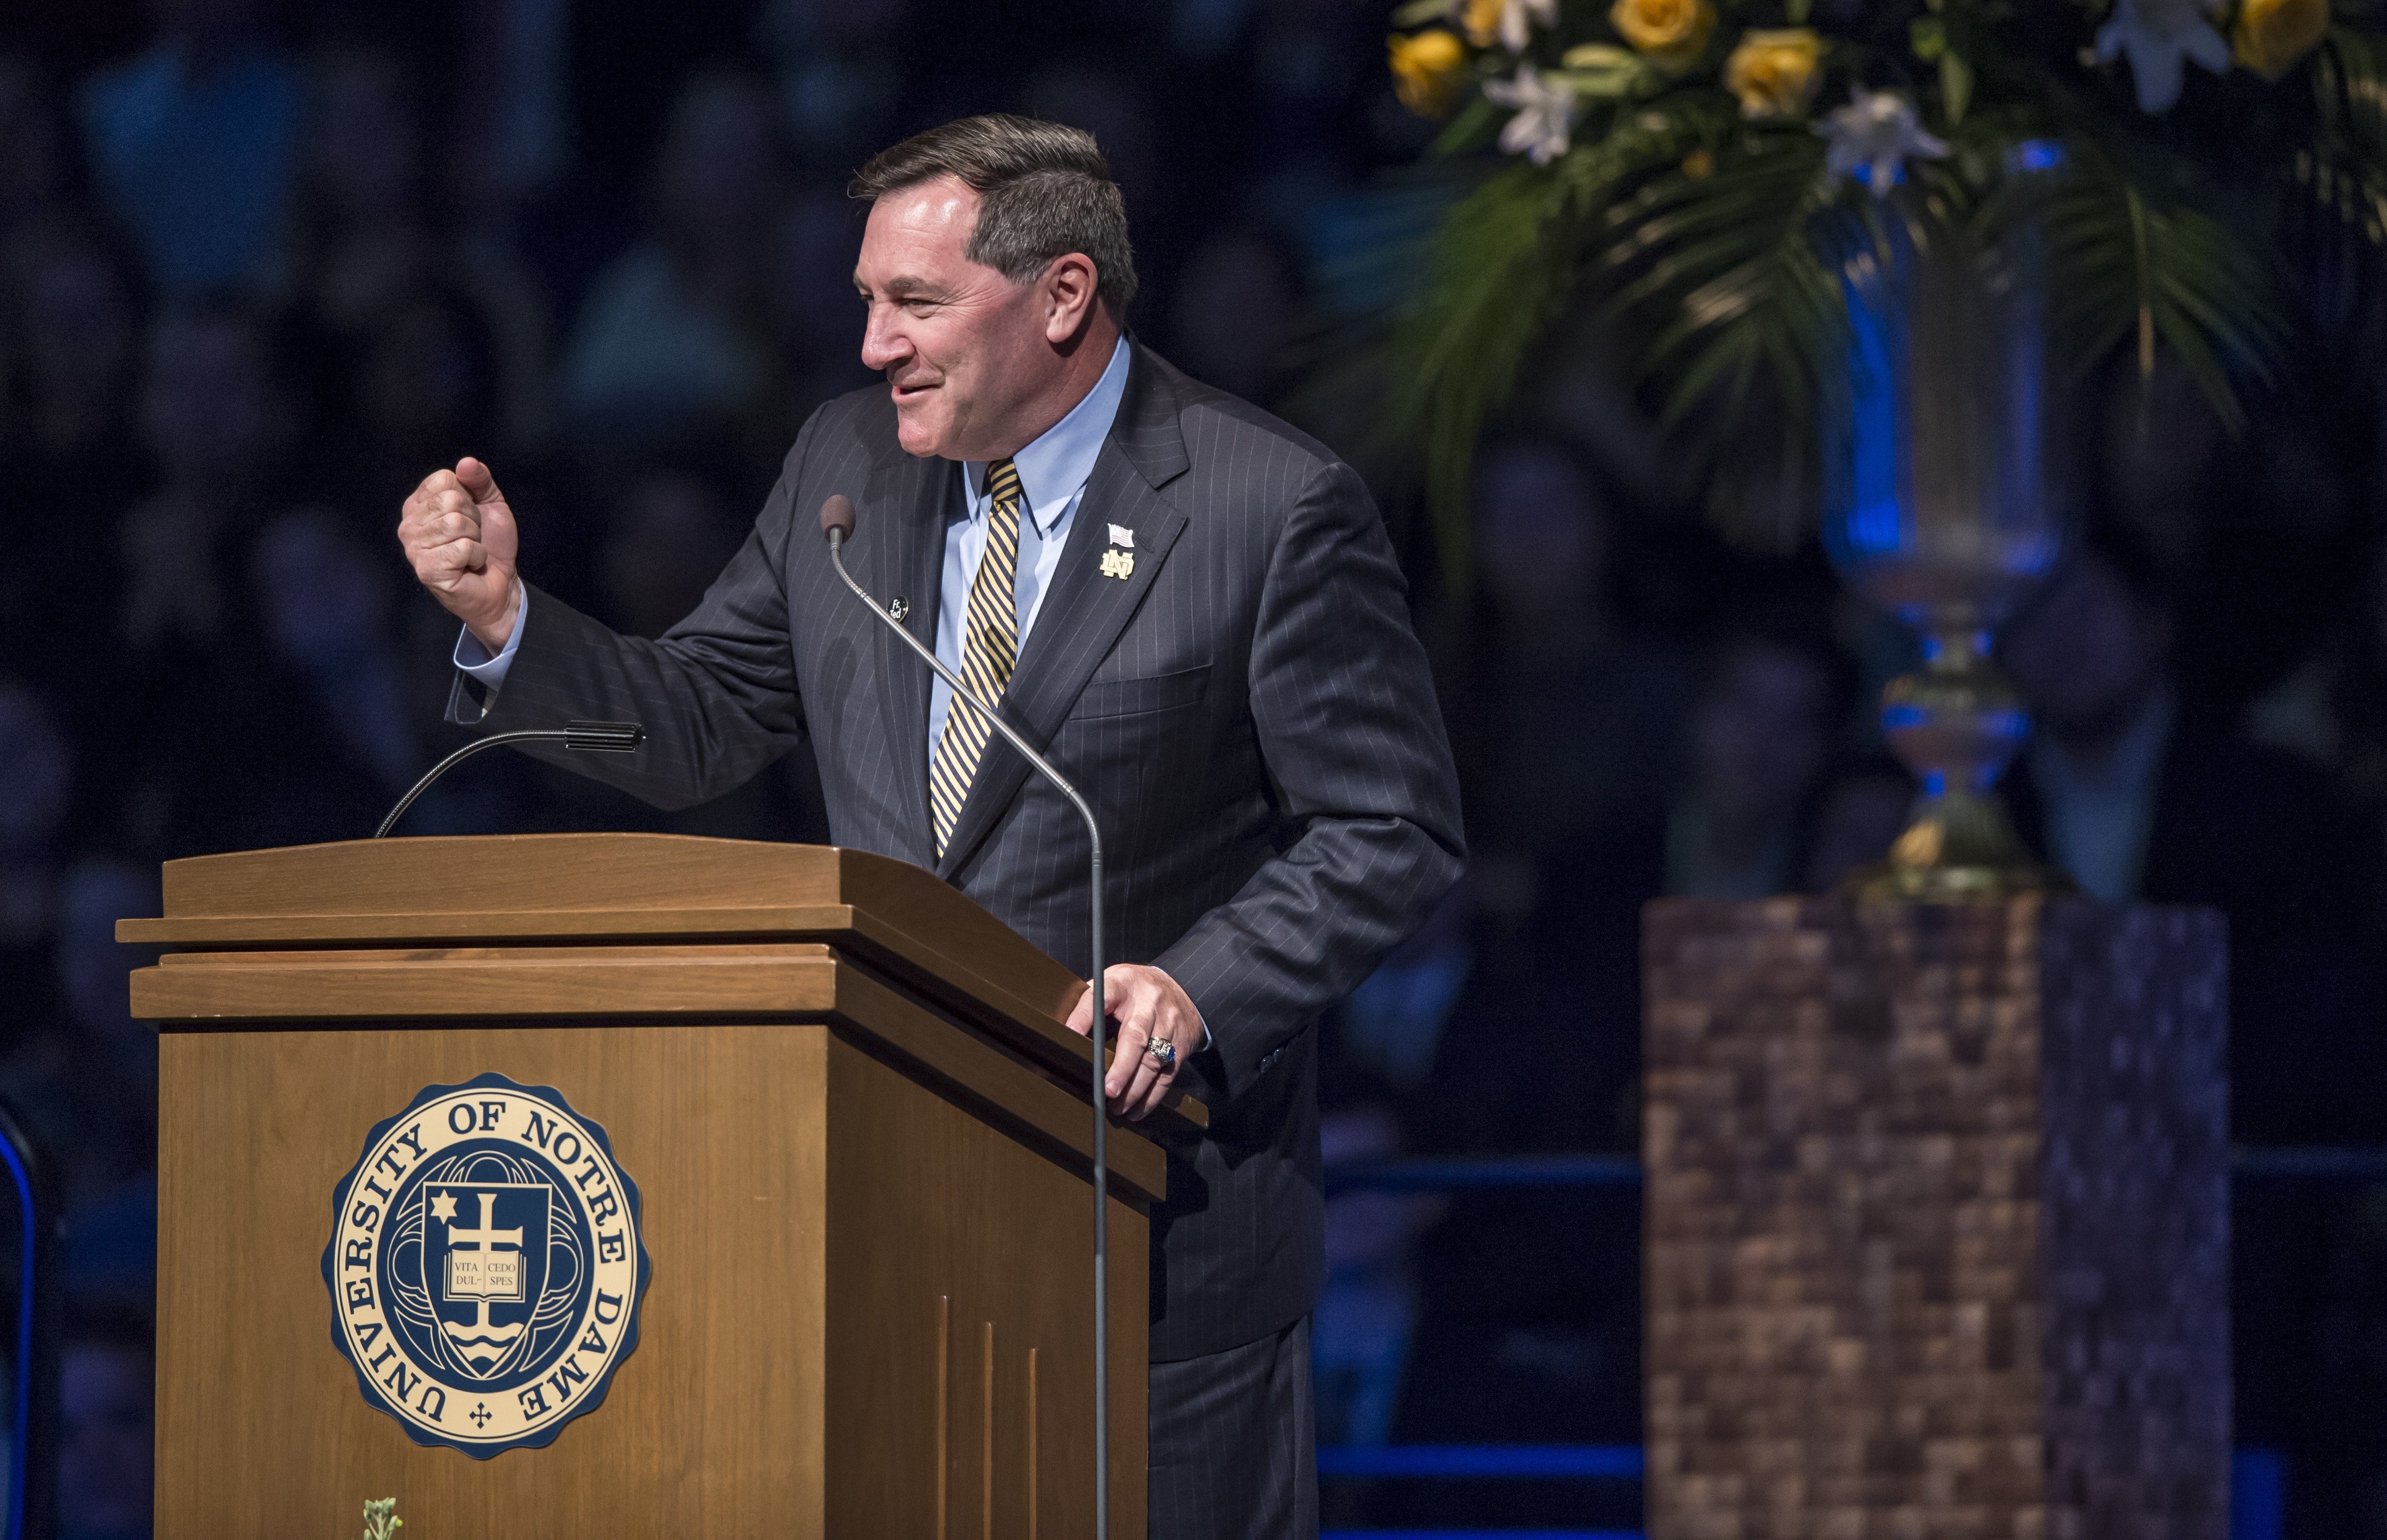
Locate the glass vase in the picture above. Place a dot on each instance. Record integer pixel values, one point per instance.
(1944, 504)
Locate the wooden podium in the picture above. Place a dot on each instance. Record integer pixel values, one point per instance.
(857, 1133)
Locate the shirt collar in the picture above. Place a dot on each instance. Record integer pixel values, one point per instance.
(1054, 468)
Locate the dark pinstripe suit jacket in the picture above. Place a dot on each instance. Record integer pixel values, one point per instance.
(1249, 713)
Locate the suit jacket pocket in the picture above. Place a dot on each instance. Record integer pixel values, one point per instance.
(1159, 692)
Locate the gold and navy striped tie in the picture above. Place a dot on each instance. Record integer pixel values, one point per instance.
(990, 646)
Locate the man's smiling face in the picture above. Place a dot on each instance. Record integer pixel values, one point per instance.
(963, 348)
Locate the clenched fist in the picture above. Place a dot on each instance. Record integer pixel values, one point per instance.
(460, 536)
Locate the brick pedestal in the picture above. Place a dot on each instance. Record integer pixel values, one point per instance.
(1937, 1222)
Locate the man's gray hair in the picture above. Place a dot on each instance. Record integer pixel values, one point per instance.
(1044, 191)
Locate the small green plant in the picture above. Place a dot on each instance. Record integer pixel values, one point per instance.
(382, 1522)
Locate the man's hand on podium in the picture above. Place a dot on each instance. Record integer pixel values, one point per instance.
(460, 534)
(1149, 1008)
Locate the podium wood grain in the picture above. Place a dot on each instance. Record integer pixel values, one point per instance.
(864, 1204)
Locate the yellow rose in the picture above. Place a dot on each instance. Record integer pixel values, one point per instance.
(1428, 69)
(1775, 73)
(1482, 19)
(1669, 34)
(2272, 34)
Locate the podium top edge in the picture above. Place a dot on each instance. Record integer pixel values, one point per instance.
(499, 872)
(562, 887)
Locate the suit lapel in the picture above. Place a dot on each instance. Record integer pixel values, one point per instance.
(904, 509)
(1083, 612)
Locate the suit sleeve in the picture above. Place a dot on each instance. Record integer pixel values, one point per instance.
(1352, 742)
(716, 693)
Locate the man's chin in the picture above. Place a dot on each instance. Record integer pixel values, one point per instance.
(919, 436)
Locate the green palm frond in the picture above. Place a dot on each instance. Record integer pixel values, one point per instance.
(1505, 265)
(1728, 276)
(2124, 269)
(1502, 274)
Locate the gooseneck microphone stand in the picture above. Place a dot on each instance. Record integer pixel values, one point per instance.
(604, 737)
(837, 522)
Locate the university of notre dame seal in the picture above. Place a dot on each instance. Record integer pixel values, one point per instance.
(484, 1267)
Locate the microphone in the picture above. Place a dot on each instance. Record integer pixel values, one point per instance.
(837, 525)
(603, 737)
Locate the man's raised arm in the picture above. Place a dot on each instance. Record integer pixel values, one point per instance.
(717, 694)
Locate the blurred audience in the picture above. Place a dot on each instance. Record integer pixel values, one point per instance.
(37, 765)
(85, 1080)
(2332, 709)
(1862, 814)
(72, 330)
(1770, 711)
(193, 144)
(69, 343)
(1394, 1027)
(817, 316)
(426, 387)
(1236, 314)
(840, 78)
(183, 740)
(107, 1463)
(1573, 717)
(676, 338)
(2141, 797)
(324, 602)
(384, 264)
(508, 124)
(216, 419)
(264, 267)
(366, 242)
(1368, 1313)
(68, 359)
(672, 534)
(36, 146)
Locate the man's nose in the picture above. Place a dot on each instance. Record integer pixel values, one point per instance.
(883, 344)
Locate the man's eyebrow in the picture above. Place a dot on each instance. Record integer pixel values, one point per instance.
(901, 287)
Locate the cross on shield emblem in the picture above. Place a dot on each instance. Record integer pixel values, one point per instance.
(484, 1247)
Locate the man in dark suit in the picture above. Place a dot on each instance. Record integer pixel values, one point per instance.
(1194, 610)
(2135, 789)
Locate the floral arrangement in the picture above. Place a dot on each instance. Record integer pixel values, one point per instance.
(1696, 169)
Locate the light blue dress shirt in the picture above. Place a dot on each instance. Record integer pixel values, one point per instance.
(1053, 474)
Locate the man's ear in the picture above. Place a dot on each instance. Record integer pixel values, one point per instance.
(1070, 295)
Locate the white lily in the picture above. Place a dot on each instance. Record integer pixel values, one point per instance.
(2158, 34)
(1545, 117)
(1873, 137)
(1517, 19)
